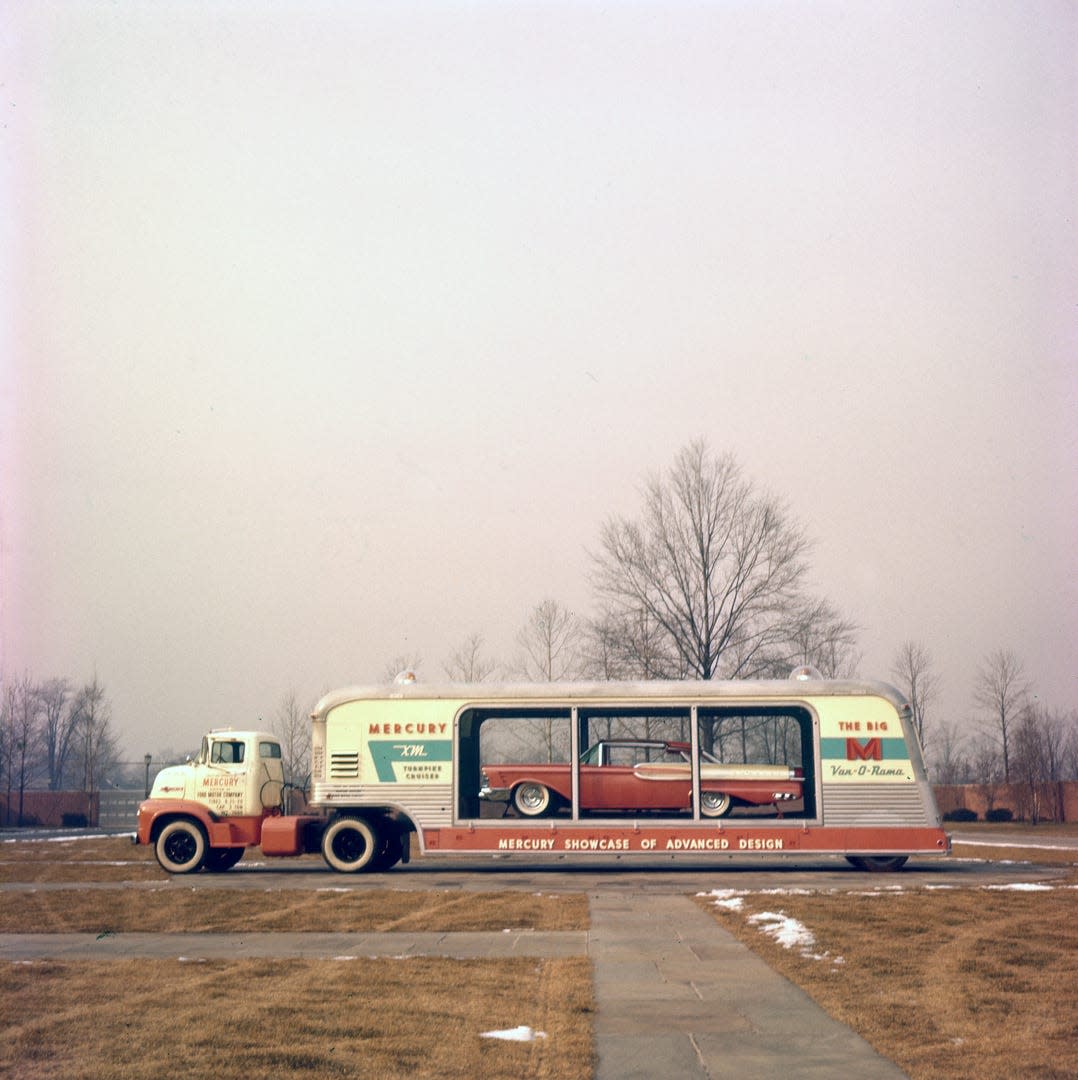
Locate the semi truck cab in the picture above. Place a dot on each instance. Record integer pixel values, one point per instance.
(235, 773)
(202, 814)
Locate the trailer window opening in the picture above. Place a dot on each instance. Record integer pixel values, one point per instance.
(507, 735)
(764, 735)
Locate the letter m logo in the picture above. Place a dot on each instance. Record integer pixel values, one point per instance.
(869, 750)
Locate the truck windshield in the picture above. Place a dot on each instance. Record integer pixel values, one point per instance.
(227, 753)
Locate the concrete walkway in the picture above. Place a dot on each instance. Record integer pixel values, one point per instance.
(677, 995)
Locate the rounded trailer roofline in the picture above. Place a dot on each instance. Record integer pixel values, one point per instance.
(691, 691)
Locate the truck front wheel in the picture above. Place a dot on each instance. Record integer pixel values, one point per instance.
(181, 847)
(351, 845)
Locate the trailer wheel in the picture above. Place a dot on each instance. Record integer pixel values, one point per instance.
(351, 844)
(218, 860)
(714, 803)
(878, 864)
(531, 799)
(181, 846)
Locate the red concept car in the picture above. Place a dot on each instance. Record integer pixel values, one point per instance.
(640, 774)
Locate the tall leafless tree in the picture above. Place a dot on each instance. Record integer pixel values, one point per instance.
(95, 743)
(293, 727)
(718, 567)
(912, 668)
(629, 645)
(821, 638)
(1038, 759)
(58, 724)
(551, 640)
(552, 650)
(468, 664)
(950, 764)
(22, 728)
(1002, 690)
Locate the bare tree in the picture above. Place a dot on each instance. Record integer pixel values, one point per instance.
(1040, 740)
(22, 727)
(950, 765)
(987, 772)
(468, 664)
(292, 726)
(822, 639)
(95, 743)
(1002, 690)
(629, 645)
(552, 641)
(912, 668)
(716, 565)
(58, 720)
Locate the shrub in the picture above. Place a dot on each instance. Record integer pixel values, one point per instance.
(999, 813)
(74, 821)
(961, 814)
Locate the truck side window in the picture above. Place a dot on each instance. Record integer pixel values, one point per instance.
(269, 750)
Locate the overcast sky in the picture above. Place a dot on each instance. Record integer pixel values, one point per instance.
(333, 331)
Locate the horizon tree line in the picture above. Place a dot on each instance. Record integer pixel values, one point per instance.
(708, 580)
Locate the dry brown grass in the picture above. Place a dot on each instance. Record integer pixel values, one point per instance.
(947, 983)
(96, 859)
(174, 909)
(968, 982)
(989, 841)
(417, 1018)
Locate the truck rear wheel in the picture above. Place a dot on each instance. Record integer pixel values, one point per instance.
(218, 860)
(181, 847)
(351, 844)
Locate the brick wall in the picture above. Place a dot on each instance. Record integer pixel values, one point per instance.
(1051, 802)
(47, 807)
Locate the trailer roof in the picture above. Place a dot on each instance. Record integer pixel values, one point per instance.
(693, 692)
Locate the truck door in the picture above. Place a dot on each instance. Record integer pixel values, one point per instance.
(221, 781)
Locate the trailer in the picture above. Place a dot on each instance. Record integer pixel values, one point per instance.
(783, 768)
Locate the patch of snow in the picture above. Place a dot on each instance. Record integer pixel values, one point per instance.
(517, 1034)
(734, 903)
(1020, 886)
(723, 894)
(786, 931)
(790, 933)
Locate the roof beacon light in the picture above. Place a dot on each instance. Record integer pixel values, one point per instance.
(805, 673)
(404, 678)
